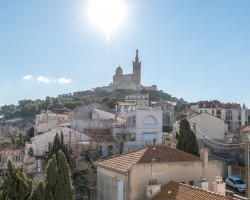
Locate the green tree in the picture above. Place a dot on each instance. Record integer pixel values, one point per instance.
(58, 144)
(16, 185)
(186, 139)
(58, 183)
(38, 193)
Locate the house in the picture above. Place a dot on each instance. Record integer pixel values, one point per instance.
(50, 120)
(18, 158)
(103, 138)
(178, 191)
(91, 117)
(145, 125)
(138, 99)
(209, 130)
(126, 176)
(233, 114)
(41, 144)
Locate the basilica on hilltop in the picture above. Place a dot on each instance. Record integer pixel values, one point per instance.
(128, 81)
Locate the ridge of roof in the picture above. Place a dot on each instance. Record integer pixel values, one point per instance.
(152, 153)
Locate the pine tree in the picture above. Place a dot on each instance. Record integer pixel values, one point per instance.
(186, 139)
(16, 185)
(38, 193)
(58, 184)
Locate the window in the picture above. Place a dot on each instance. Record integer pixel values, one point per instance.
(149, 120)
(212, 112)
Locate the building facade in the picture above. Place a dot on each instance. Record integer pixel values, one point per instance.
(146, 124)
(126, 176)
(127, 81)
(233, 114)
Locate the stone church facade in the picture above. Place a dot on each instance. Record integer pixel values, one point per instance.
(128, 81)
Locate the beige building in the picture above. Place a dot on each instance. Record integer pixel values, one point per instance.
(18, 158)
(49, 120)
(127, 81)
(126, 176)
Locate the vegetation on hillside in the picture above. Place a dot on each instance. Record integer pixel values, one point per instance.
(29, 108)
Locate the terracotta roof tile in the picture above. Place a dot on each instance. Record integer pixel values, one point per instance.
(12, 152)
(99, 135)
(179, 191)
(161, 153)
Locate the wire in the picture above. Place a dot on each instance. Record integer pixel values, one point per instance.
(219, 147)
(213, 140)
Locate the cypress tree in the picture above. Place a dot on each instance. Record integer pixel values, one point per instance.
(58, 184)
(58, 144)
(16, 185)
(64, 187)
(51, 178)
(38, 193)
(186, 139)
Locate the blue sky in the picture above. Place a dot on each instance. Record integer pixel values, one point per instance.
(191, 49)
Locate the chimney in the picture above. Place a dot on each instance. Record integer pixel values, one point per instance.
(154, 141)
(202, 183)
(153, 188)
(219, 186)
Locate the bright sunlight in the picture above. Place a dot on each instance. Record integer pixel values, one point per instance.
(107, 15)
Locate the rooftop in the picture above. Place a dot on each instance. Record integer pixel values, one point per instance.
(161, 153)
(11, 152)
(180, 191)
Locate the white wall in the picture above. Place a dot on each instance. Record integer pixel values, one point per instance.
(211, 126)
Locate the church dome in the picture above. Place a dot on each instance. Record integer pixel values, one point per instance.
(119, 71)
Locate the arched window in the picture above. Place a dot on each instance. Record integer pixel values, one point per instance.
(149, 120)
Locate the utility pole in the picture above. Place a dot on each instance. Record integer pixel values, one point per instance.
(247, 170)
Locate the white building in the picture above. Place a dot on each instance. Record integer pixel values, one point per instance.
(145, 123)
(207, 129)
(233, 114)
(41, 144)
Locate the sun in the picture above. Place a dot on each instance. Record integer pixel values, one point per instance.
(108, 15)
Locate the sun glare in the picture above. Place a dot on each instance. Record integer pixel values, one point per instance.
(107, 15)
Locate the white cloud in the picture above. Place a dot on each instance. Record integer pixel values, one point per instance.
(43, 79)
(27, 77)
(63, 80)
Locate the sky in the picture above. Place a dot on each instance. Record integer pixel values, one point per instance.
(192, 49)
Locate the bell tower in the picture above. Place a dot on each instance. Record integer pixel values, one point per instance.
(137, 69)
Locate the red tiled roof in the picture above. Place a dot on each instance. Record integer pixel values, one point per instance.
(247, 129)
(161, 153)
(12, 152)
(180, 191)
(99, 135)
